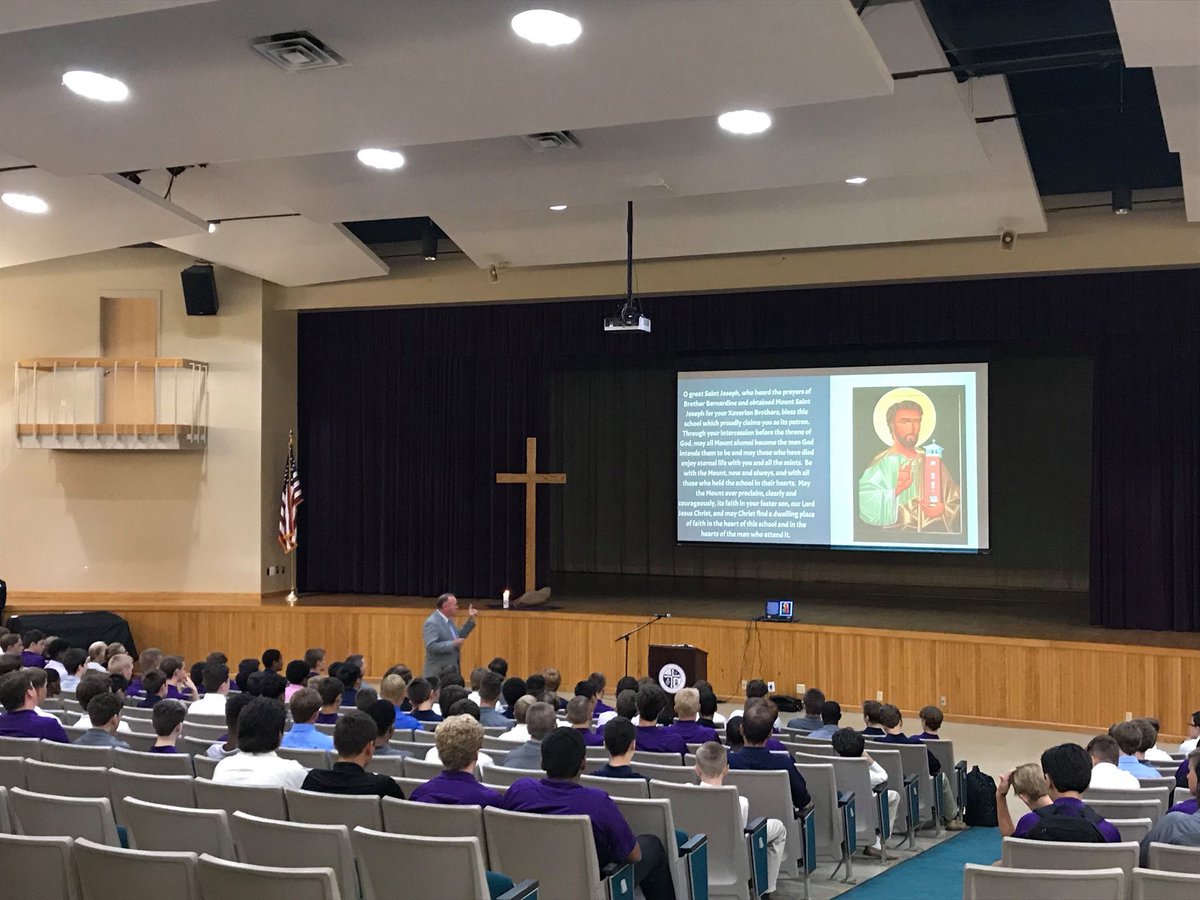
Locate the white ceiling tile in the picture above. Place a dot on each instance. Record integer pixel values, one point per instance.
(1158, 32)
(24, 15)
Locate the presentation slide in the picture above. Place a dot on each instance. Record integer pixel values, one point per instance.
(880, 458)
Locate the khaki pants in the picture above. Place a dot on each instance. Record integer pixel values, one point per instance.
(776, 846)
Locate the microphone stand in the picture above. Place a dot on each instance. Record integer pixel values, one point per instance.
(627, 635)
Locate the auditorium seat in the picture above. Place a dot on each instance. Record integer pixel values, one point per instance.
(204, 765)
(1167, 781)
(588, 752)
(137, 726)
(267, 802)
(310, 759)
(140, 743)
(955, 769)
(6, 822)
(194, 746)
(769, 794)
(657, 759)
(434, 820)
(929, 788)
(386, 765)
(139, 873)
(828, 813)
(814, 749)
(270, 842)
(425, 735)
(49, 815)
(1124, 809)
(211, 733)
(73, 755)
(853, 775)
(1132, 829)
(592, 764)
(501, 777)
(153, 763)
(30, 748)
(130, 713)
(38, 868)
(1161, 795)
(689, 866)
(633, 788)
(157, 826)
(994, 883)
(69, 781)
(415, 767)
(893, 765)
(676, 774)
(1172, 858)
(314, 808)
(1151, 885)
(169, 790)
(228, 880)
(1018, 853)
(12, 771)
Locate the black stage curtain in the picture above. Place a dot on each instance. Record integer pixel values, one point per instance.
(406, 415)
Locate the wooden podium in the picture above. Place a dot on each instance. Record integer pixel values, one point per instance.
(692, 660)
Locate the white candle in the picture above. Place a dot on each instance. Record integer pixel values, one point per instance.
(506, 598)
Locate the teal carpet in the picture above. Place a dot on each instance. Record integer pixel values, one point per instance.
(935, 874)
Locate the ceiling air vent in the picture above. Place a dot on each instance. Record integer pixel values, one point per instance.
(297, 51)
(550, 141)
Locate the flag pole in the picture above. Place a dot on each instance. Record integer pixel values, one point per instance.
(292, 597)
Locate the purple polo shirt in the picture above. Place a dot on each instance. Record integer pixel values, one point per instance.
(27, 723)
(776, 744)
(174, 693)
(692, 732)
(327, 718)
(612, 834)
(591, 738)
(601, 707)
(32, 660)
(1106, 829)
(1188, 807)
(135, 686)
(164, 749)
(456, 789)
(655, 739)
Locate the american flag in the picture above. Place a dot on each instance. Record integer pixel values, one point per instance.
(289, 503)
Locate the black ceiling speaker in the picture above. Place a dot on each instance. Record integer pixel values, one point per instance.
(200, 290)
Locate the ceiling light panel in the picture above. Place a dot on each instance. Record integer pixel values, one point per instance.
(95, 86)
(26, 203)
(546, 27)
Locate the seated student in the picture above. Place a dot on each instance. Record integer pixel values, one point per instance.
(561, 794)
(40, 679)
(599, 684)
(11, 645)
(773, 743)
(296, 674)
(579, 717)
(519, 733)
(97, 657)
(490, 684)
(216, 690)
(148, 661)
(756, 730)
(91, 684)
(74, 663)
(1178, 826)
(259, 731)
(354, 737)
(167, 719)
(1028, 783)
(233, 709)
(625, 684)
(303, 735)
(272, 660)
(461, 707)
(384, 715)
(888, 716)
(650, 736)
(1150, 751)
(687, 711)
(179, 685)
(351, 676)
(931, 722)
(447, 696)
(33, 656)
(870, 712)
(540, 720)
(422, 694)
(245, 669)
(394, 689)
(849, 743)
(314, 658)
(9, 663)
(1130, 738)
(19, 698)
(155, 687)
(709, 717)
(459, 739)
(1068, 771)
(831, 715)
(553, 683)
(121, 665)
(1193, 734)
(330, 690)
(511, 690)
(733, 734)
(811, 720)
(535, 685)
(712, 765)
(55, 648)
(104, 711)
(475, 679)
(1104, 754)
(620, 740)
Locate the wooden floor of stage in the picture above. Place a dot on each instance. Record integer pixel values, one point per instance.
(1048, 615)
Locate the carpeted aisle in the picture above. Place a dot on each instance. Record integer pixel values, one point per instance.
(935, 874)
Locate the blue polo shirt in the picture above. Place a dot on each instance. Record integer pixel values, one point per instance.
(1137, 767)
(613, 836)
(404, 720)
(456, 789)
(304, 736)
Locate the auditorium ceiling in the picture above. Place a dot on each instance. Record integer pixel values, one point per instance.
(957, 118)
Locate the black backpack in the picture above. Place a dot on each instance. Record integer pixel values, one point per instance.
(981, 800)
(1056, 823)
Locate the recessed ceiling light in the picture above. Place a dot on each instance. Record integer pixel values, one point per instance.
(559, 207)
(381, 159)
(547, 27)
(745, 121)
(26, 203)
(212, 227)
(857, 179)
(95, 86)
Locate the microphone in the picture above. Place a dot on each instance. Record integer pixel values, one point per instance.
(662, 615)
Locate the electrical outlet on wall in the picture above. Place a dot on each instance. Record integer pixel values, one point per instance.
(879, 696)
(1128, 717)
(771, 687)
(941, 701)
(800, 689)
(743, 685)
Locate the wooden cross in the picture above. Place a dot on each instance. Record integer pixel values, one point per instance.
(531, 478)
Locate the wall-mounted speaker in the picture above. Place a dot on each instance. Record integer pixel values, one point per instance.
(200, 290)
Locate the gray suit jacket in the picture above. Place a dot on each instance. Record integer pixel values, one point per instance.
(439, 643)
(526, 756)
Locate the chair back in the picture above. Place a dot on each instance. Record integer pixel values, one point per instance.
(157, 826)
(315, 808)
(167, 790)
(194, 746)
(1167, 781)
(267, 802)
(827, 820)
(503, 777)
(137, 725)
(29, 748)
(434, 820)
(1173, 858)
(655, 817)
(391, 766)
(69, 781)
(814, 748)
(210, 733)
(995, 883)
(1124, 809)
(517, 846)
(212, 720)
(12, 771)
(770, 797)
(1131, 829)
(140, 742)
(657, 759)
(1151, 885)
(631, 788)
(943, 752)
(854, 774)
(309, 758)
(1162, 795)
(425, 735)
(47, 815)
(430, 868)
(490, 743)
(676, 774)
(714, 811)
(38, 868)
(891, 763)
(408, 785)
(241, 881)
(205, 766)
(915, 759)
(76, 755)
(270, 842)
(419, 768)
(153, 763)
(140, 873)
(1018, 853)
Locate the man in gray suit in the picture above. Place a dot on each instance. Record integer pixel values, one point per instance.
(541, 720)
(442, 638)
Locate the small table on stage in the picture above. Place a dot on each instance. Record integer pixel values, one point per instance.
(687, 664)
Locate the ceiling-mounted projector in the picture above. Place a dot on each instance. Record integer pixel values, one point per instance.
(633, 322)
(629, 315)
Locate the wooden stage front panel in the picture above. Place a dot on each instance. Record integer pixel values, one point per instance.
(998, 680)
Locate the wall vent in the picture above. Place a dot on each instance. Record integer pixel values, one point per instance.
(297, 51)
(550, 141)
